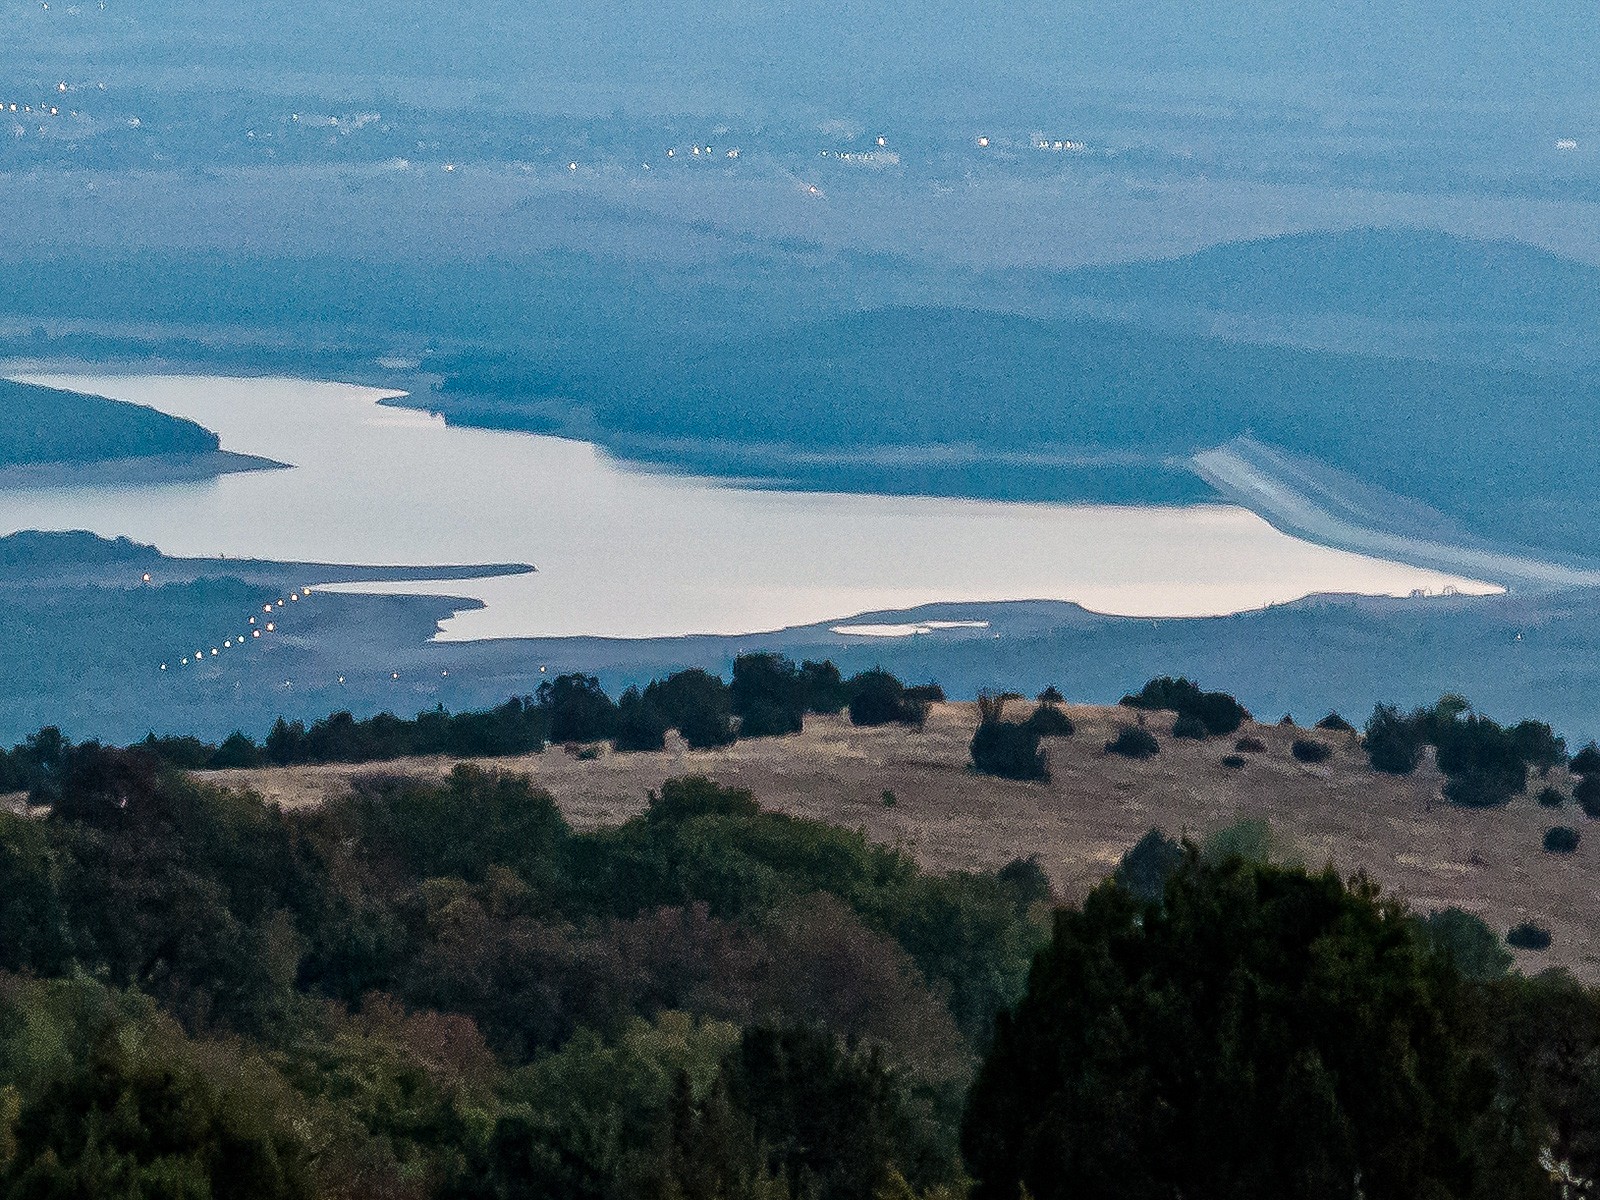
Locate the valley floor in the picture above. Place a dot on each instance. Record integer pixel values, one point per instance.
(1398, 830)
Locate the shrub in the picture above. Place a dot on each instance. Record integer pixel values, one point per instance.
(1286, 721)
(1529, 936)
(1308, 751)
(1536, 744)
(1250, 745)
(1334, 723)
(1048, 721)
(1052, 695)
(1393, 740)
(1010, 751)
(925, 694)
(1587, 793)
(1219, 712)
(1468, 942)
(1479, 789)
(1586, 761)
(1561, 840)
(1551, 798)
(1134, 743)
(878, 698)
(1233, 761)
(1190, 726)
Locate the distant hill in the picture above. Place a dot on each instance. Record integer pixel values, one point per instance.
(1394, 274)
(1513, 456)
(46, 425)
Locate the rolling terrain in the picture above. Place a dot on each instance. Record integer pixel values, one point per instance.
(1398, 829)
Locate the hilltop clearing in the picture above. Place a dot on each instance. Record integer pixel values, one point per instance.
(1400, 830)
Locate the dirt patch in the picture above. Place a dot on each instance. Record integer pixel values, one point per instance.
(1399, 830)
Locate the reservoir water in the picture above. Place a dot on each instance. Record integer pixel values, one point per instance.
(629, 553)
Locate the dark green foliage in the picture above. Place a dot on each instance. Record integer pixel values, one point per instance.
(1233, 761)
(1219, 712)
(823, 687)
(1147, 865)
(1250, 745)
(1587, 794)
(577, 709)
(1008, 750)
(768, 695)
(1049, 721)
(1528, 936)
(1262, 1033)
(696, 704)
(640, 724)
(1190, 726)
(1550, 797)
(1586, 761)
(833, 1123)
(1334, 723)
(1394, 743)
(236, 750)
(1467, 941)
(1484, 761)
(1561, 839)
(1134, 742)
(1051, 696)
(1308, 751)
(878, 698)
(1537, 745)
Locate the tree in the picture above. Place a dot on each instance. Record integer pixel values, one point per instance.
(878, 698)
(1262, 1033)
(640, 724)
(767, 695)
(578, 709)
(697, 705)
(1393, 740)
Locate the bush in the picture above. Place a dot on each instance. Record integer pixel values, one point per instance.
(1586, 761)
(1479, 789)
(1393, 740)
(1218, 711)
(1250, 745)
(1190, 726)
(1468, 942)
(823, 687)
(1529, 936)
(1051, 695)
(1334, 723)
(1308, 751)
(1587, 793)
(1134, 743)
(1233, 761)
(1009, 751)
(1048, 721)
(1561, 840)
(878, 698)
(1551, 798)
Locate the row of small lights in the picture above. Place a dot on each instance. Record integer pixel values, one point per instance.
(267, 627)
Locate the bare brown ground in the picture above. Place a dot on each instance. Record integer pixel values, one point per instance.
(1398, 830)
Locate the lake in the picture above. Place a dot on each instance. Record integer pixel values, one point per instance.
(623, 552)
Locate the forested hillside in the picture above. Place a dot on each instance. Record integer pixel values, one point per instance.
(47, 425)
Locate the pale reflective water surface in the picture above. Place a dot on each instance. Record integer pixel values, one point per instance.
(626, 553)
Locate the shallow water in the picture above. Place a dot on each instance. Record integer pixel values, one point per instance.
(627, 553)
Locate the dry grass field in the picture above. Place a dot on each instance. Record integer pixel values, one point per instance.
(1399, 830)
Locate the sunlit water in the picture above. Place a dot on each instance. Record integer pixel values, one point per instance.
(626, 553)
